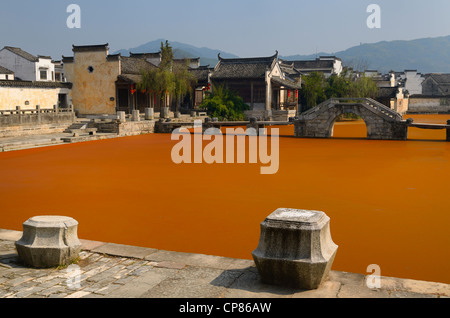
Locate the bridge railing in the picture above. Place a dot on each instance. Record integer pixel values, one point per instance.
(384, 109)
(379, 107)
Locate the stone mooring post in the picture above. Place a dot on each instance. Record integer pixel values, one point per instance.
(295, 248)
(49, 241)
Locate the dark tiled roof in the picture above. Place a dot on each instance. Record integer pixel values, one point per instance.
(4, 70)
(286, 83)
(45, 57)
(441, 78)
(67, 59)
(113, 57)
(146, 55)
(311, 65)
(318, 64)
(22, 53)
(132, 65)
(201, 74)
(130, 78)
(88, 48)
(387, 92)
(5, 83)
(244, 68)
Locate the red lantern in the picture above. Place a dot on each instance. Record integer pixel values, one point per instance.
(296, 94)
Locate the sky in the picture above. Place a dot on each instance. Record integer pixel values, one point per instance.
(242, 27)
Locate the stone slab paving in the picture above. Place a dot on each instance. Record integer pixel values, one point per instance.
(106, 270)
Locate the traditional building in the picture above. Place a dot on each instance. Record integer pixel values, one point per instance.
(395, 98)
(202, 74)
(27, 67)
(6, 74)
(29, 94)
(104, 83)
(262, 84)
(328, 65)
(436, 85)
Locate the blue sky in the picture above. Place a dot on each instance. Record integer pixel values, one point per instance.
(242, 27)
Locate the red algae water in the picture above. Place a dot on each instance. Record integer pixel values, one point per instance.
(388, 201)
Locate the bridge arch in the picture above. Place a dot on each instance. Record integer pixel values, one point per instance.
(381, 121)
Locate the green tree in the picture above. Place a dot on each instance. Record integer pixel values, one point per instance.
(184, 82)
(168, 79)
(224, 104)
(313, 90)
(316, 88)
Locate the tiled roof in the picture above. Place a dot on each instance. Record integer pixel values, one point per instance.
(312, 65)
(132, 65)
(286, 83)
(67, 59)
(244, 68)
(88, 48)
(22, 53)
(387, 92)
(441, 78)
(146, 55)
(4, 70)
(130, 78)
(201, 74)
(36, 84)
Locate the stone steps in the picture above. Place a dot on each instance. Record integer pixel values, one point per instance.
(29, 145)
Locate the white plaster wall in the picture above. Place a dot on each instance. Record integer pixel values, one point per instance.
(10, 77)
(47, 64)
(10, 97)
(413, 83)
(22, 68)
(337, 67)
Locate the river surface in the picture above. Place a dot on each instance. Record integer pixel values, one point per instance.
(388, 201)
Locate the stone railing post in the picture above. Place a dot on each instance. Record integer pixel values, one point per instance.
(49, 241)
(19, 114)
(149, 113)
(135, 115)
(121, 116)
(38, 111)
(295, 248)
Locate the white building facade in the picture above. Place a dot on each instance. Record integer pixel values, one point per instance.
(27, 67)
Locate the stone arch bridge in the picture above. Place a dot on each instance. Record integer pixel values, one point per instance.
(381, 121)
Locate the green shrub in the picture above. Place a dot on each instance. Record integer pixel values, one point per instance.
(224, 104)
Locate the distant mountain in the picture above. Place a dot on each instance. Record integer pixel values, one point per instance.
(181, 50)
(427, 55)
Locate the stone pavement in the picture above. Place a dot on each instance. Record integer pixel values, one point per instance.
(107, 270)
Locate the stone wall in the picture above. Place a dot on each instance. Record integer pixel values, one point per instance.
(129, 128)
(429, 105)
(31, 122)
